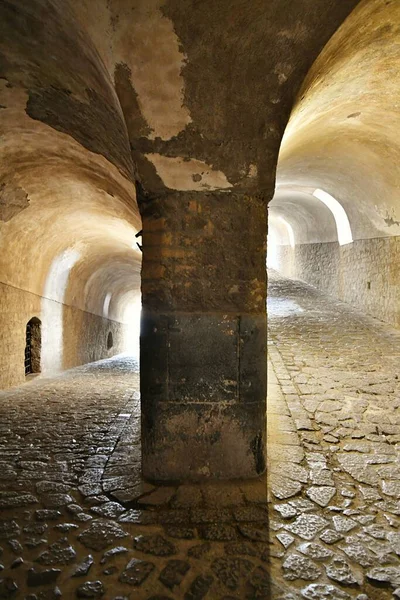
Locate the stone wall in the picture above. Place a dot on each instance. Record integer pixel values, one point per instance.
(365, 273)
(70, 336)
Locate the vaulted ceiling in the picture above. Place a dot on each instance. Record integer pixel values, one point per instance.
(343, 134)
(98, 100)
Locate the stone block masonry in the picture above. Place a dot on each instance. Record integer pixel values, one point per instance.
(365, 274)
(203, 338)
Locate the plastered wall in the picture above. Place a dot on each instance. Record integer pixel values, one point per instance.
(70, 336)
(365, 274)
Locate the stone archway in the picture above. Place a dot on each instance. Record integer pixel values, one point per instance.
(33, 347)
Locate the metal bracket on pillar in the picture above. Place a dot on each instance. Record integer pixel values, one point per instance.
(139, 234)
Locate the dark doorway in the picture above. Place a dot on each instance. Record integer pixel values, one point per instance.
(110, 341)
(33, 346)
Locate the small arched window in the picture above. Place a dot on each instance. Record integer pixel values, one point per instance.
(33, 346)
(110, 341)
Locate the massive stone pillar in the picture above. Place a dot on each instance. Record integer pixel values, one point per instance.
(203, 336)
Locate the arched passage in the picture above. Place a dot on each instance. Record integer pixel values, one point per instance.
(98, 124)
(342, 142)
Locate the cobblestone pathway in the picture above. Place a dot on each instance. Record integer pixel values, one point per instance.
(334, 449)
(77, 521)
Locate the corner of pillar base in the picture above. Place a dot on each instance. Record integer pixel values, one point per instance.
(192, 447)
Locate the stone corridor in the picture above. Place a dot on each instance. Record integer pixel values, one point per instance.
(334, 419)
(76, 519)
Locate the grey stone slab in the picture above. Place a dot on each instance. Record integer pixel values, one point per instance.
(296, 566)
(307, 526)
(100, 534)
(321, 495)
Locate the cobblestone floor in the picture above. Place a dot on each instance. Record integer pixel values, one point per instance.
(77, 520)
(334, 449)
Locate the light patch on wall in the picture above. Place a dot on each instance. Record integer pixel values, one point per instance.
(106, 305)
(57, 279)
(52, 312)
(289, 230)
(184, 175)
(276, 239)
(343, 228)
(272, 254)
(131, 316)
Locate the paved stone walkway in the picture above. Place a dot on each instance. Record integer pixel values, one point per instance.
(77, 520)
(334, 449)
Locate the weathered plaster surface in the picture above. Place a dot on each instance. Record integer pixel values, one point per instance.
(12, 201)
(187, 175)
(148, 44)
(209, 81)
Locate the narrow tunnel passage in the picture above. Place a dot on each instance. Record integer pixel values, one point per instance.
(72, 497)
